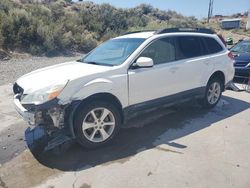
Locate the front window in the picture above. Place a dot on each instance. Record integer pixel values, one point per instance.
(242, 47)
(160, 51)
(113, 52)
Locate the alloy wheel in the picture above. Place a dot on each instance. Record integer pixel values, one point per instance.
(214, 93)
(98, 125)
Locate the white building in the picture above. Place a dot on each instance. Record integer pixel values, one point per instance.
(230, 23)
(248, 21)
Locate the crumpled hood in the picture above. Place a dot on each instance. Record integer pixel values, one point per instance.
(57, 74)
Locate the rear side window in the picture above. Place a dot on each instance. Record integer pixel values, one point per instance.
(189, 47)
(212, 45)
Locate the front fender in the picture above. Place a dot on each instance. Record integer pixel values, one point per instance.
(99, 85)
(79, 90)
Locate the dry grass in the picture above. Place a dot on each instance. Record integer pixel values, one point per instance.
(236, 34)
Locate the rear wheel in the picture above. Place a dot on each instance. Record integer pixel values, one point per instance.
(212, 94)
(96, 124)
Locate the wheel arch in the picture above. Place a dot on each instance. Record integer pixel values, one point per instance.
(220, 75)
(103, 96)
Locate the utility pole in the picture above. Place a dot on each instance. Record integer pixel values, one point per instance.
(248, 21)
(210, 10)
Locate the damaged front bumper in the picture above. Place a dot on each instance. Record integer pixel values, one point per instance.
(26, 115)
(49, 114)
(49, 118)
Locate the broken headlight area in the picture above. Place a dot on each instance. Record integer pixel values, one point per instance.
(43, 95)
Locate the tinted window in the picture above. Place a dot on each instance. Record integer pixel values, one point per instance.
(212, 45)
(189, 46)
(161, 51)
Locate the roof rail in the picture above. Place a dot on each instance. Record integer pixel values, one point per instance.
(132, 32)
(192, 30)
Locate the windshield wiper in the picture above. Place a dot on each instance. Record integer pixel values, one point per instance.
(96, 63)
(79, 60)
(92, 63)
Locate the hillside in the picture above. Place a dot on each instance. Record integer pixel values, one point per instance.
(52, 26)
(236, 34)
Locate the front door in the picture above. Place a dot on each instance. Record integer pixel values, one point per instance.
(146, 84)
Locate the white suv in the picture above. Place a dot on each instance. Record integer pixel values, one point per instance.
(90, 99)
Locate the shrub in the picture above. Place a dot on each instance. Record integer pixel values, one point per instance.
(49, 26)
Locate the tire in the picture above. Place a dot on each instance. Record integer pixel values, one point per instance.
(212, 94)
(96, 124)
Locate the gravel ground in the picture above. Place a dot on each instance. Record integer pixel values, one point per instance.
(12, 69)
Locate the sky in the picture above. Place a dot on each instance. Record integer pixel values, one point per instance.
(197, 8)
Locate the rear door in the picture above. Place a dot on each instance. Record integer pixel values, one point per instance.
(217, 57)
(193, 62)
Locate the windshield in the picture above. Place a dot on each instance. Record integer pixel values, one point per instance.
(113, 52)
(242, 47)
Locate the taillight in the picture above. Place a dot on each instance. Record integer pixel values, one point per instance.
(230, 55)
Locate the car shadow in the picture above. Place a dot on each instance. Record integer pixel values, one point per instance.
(162, 126)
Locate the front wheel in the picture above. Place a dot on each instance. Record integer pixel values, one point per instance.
(212, 94)
(96, 124)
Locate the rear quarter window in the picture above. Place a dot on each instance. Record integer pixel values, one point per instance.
(213, 45)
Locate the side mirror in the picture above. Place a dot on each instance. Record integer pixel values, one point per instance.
(144, 62)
